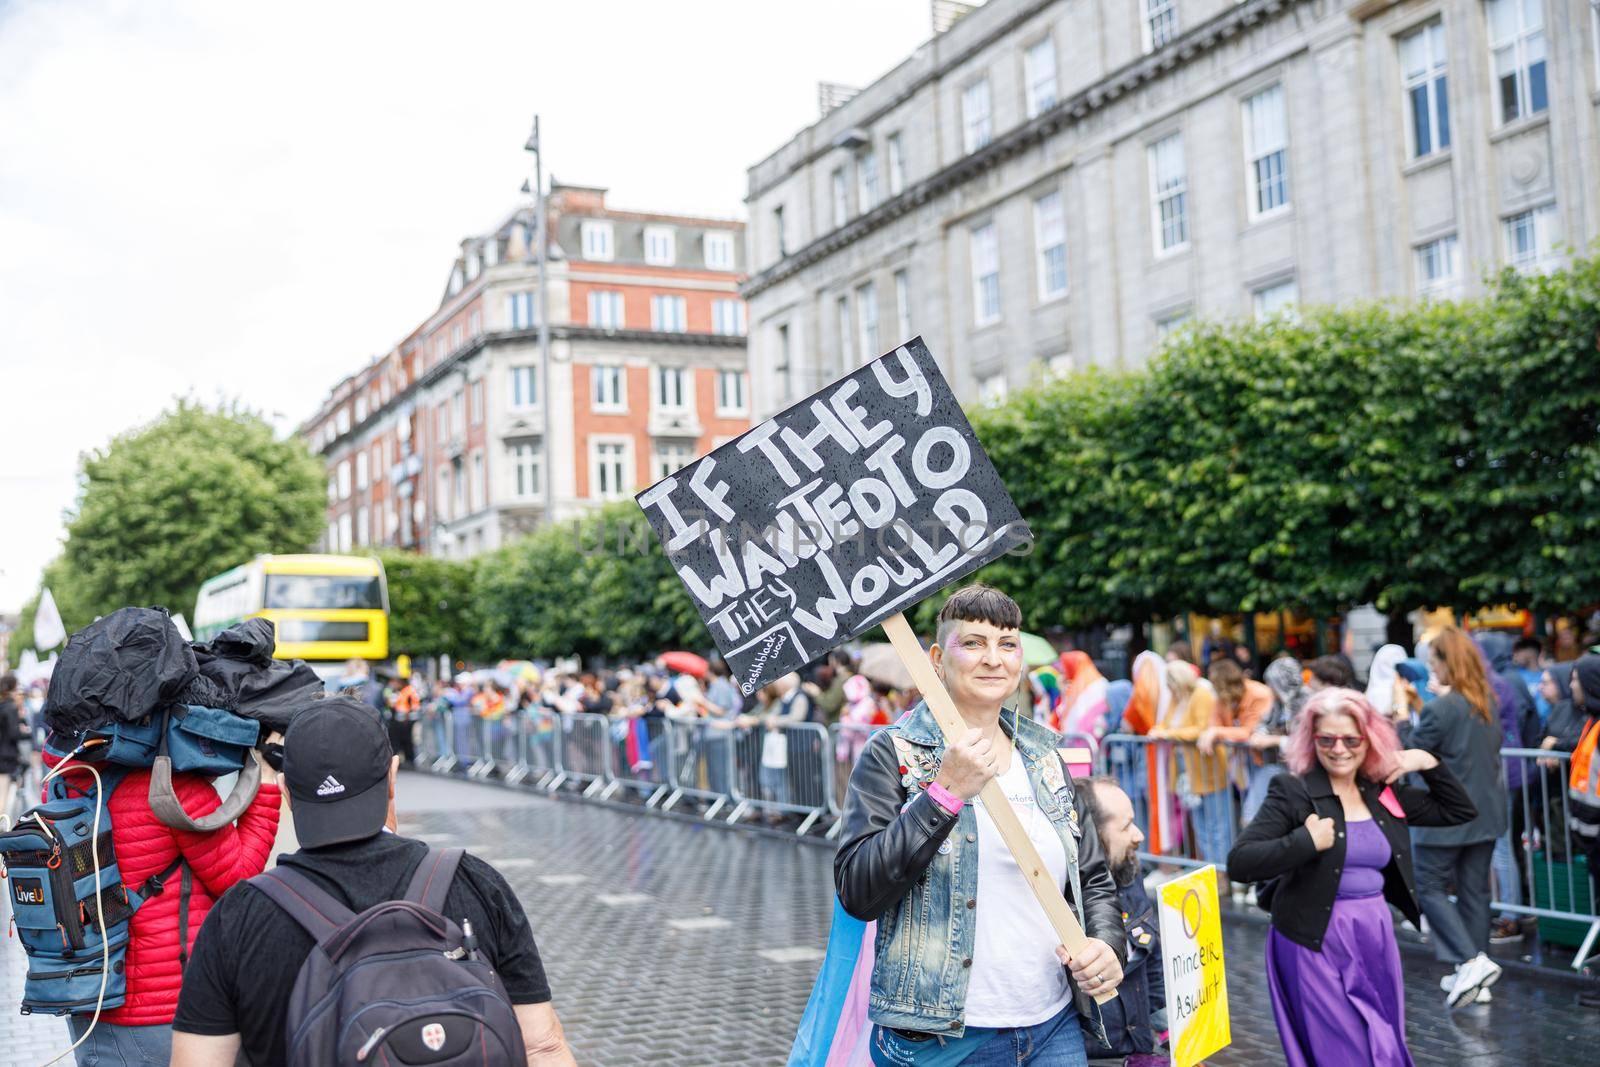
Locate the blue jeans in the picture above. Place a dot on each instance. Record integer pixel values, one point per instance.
(1056, 1042)
(121, 1046)
(1213, 825)
(1256, 795)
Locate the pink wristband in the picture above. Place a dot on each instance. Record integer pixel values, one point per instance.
(944, 798)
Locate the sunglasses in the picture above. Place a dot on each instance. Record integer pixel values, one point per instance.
(1331, 741)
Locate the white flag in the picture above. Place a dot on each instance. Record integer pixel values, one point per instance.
(183, 627)
(47, 629)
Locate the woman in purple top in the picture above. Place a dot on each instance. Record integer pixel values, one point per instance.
(1332, 841)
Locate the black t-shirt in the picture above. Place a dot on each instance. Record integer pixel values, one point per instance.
(249, 952)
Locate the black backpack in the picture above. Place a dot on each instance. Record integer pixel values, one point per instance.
(398, 984)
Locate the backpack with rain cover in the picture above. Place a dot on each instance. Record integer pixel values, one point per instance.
(399, 983)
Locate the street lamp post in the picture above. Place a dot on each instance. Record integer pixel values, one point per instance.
(542, 252)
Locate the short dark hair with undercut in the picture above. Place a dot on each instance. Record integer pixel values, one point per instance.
(978, 603)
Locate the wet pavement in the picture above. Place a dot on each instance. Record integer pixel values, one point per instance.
(669, 942)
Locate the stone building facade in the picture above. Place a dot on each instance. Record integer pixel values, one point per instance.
(439, 445)
(1053, 184)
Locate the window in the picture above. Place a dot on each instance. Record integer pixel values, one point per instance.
(977, 124)
(1160, 23)
(1427, 102)
(608, 395)
(842, 320)
(867, 322)
(1279, 297)
(609, 460)
(785, 367)
(672, 388)
(841, 198)
(331, 543)
(730, 392)
(780, 231)
(475, 401)
(897, 164)
(719, 251)
(444, 421)
(902, 306)
(605, 309)
(333, 489)
(1050, 245)
(992, 390)
(458, 490)
(1169, 195)
(671, 458)
(985, 275)
(455, 336)
(727, 317)
(1266, 146)
(1171, 324)
(361, 470)
(1531, 238)
(520, 310)
(524, 387)
(344, 479)
(596, 239)
(363, 526)
(668, 313)
(1039, 76)
(341, 421)
(442, 509)
(361, 409)
(660, 246)
(344, 532)
(867, 180)
(458, 411)
(1436, 266)
(527, 469)
(479, 487)
(1517, 50)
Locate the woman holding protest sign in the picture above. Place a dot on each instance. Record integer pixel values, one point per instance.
(968, 968)
(1333, 843)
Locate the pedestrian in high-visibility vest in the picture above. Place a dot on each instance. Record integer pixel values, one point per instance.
(1583, 781)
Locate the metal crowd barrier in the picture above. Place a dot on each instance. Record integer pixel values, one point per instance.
(1542, 872)
(701, 765)
(846, 740)
(784, 771)
(638, 763)
(583, 740)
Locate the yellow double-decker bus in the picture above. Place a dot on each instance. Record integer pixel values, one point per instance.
(325, 608)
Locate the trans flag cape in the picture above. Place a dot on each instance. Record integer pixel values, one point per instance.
(834, 1031)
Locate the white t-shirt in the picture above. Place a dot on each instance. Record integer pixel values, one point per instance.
(1016, 978)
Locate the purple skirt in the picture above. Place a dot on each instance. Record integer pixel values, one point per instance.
(1343, 1006)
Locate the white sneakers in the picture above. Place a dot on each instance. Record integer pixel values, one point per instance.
(1471, 981)
(1448, 983)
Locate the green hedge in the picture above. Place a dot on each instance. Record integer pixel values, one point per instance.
(1441, 454)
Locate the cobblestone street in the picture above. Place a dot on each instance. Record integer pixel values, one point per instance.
(673, 943)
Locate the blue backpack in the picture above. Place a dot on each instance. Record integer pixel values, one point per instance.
(54, 861)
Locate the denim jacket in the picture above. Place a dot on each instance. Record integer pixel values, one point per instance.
(911, 865)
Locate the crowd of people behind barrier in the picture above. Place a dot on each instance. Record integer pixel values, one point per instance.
(1196, 748)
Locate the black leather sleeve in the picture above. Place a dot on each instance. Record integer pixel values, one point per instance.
(1102, 912)
(1276, 841)
(1444, 803)
(884, 850)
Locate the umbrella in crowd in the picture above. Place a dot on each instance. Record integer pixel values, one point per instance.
(685, 663)
(1036, 651)
(882, 665)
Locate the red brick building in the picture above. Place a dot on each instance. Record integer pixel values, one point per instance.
(439, 444)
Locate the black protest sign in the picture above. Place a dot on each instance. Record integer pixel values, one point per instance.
(819, 523)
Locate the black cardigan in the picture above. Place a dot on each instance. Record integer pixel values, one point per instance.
(1277, 843)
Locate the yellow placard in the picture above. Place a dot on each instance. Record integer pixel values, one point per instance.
(402, 667)
(1191, 961)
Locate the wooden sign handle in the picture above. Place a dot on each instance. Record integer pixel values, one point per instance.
(993, 796)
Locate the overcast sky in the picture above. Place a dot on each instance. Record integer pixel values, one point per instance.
(228, 200)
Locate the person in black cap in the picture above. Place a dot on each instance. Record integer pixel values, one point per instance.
(340, 774)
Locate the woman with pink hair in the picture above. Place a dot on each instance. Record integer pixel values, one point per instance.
(1333, 843)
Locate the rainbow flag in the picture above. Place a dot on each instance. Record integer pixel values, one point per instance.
(834, 1031)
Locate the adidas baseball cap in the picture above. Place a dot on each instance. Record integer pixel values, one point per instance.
(336, 759)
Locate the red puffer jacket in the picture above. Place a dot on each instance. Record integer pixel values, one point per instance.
(145, 846)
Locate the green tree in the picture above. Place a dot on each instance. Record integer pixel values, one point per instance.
(434, 608)
(168, 505)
